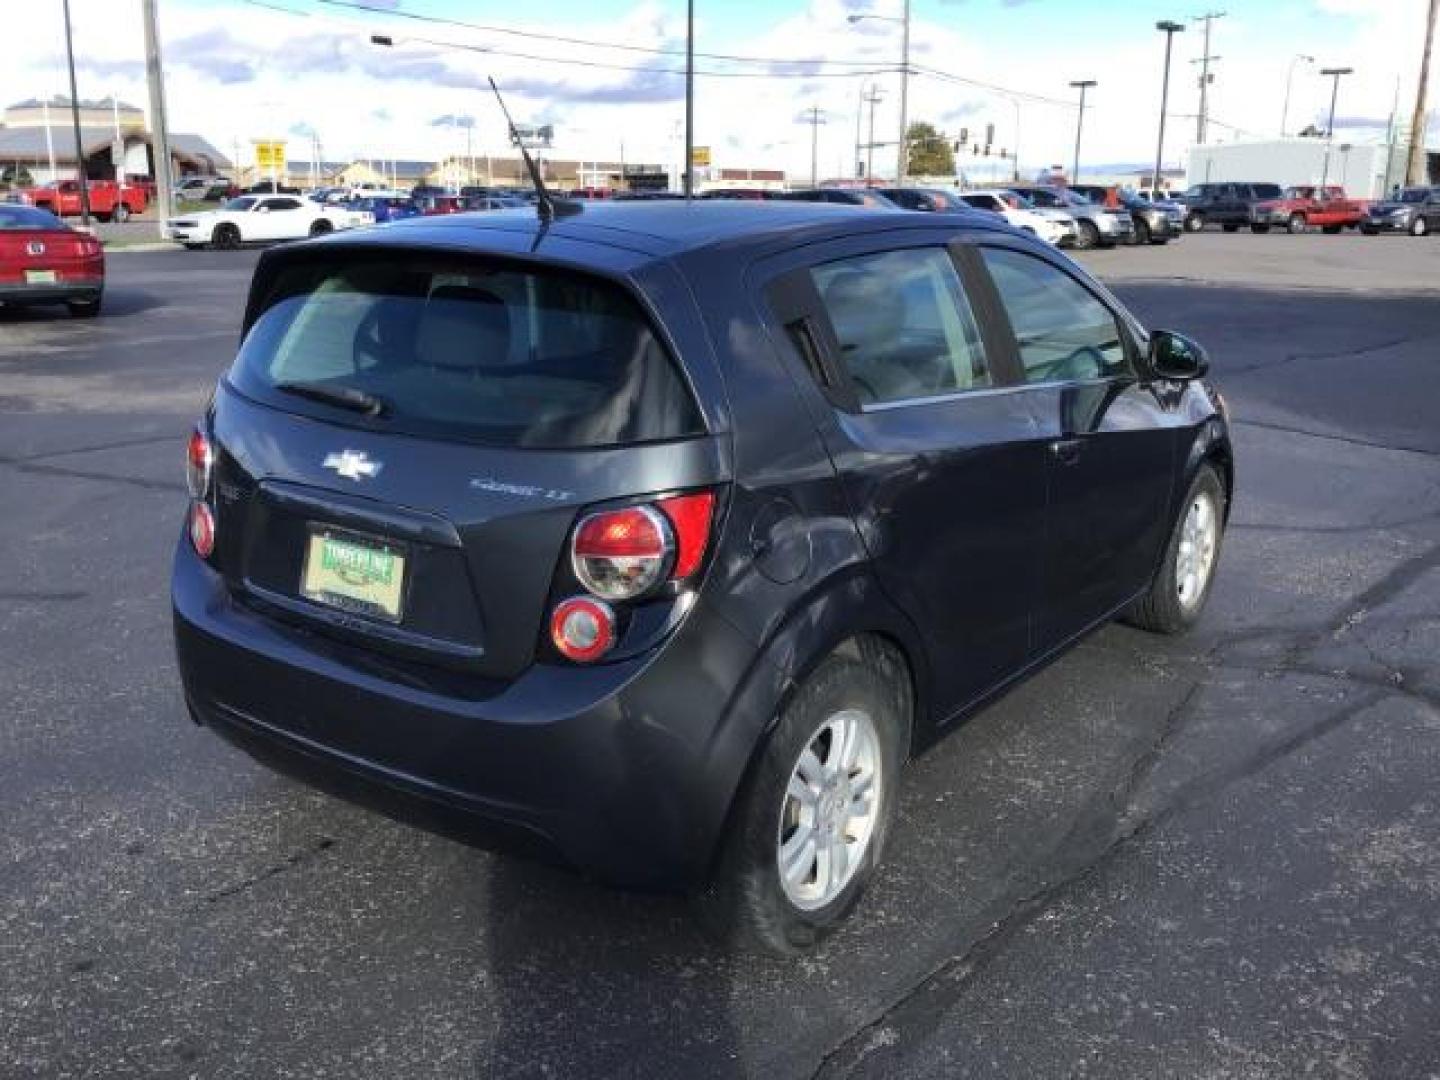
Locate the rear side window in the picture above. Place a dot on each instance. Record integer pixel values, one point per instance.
(1268, 191)
(498, 354)
(1063, 330)
(904, 325)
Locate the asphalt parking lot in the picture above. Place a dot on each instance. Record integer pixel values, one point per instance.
(1211, 856)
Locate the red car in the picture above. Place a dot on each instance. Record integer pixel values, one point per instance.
(45, 261)
(432, 205)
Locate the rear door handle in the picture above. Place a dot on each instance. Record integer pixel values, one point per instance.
(1066, 451)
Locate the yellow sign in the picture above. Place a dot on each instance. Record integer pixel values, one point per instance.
(700, 157)
(269, 155)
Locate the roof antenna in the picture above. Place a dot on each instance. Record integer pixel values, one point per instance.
(546, 206)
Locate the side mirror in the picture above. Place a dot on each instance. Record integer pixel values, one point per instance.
(1175, 356)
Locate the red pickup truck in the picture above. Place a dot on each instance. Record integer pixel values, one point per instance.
(109, 201)
(1327, 208)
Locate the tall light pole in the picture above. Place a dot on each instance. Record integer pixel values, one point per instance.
(1334, 74)
(1202, 118)
(872, 99)
(1082, 85)
(902, 158)
(1169, 28)
(1415, 171)
(75, 121)
(1289, 79)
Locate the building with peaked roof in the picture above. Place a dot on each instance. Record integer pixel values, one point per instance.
(30, 144)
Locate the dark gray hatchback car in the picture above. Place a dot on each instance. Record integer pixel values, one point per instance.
(656, 539)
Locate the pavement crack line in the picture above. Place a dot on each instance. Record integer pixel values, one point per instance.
(119, 444)
(921, 1007)
(1331, 436)
(104, 478)
(304, 855)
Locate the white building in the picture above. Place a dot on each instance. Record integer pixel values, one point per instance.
(1361, 168)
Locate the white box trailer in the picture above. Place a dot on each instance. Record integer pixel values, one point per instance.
(1358, 167)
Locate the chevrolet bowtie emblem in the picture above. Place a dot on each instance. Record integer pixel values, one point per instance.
(351, 465)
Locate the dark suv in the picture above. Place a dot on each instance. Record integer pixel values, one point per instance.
(659, 537)
(1227, 205)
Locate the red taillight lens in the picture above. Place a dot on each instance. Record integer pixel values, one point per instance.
(582, 629)
(620, 554)
(199, 462)
(690, 515)
(202, 528)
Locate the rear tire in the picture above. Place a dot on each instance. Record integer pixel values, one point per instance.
(320, 227)
(120, 214)
(748, 904)
(1141, 236)
(84, 309)
(1296, 225)
(1194, 223)
(1419, 227)
(226, 237)
(1170, 607)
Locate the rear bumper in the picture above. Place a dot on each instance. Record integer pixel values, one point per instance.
(56, 293)
(624, 771)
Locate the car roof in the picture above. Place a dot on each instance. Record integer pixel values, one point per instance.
(660, 228)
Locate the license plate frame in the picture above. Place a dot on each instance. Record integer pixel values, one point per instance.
(355, 573)
(41, 277)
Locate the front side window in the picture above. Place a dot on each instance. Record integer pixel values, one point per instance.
(1063, 330)
(904, 325)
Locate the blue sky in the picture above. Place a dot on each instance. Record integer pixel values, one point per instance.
(243, 69)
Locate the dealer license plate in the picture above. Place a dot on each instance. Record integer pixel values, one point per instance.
(368, 578)
(40, 277)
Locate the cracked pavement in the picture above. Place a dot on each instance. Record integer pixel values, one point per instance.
(1209, 856)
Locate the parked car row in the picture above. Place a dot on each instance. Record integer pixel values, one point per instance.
(1262, 207)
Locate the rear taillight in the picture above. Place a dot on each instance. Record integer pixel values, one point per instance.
(582, 629)
(626, 555)
(622, 554)
(201, 526)
(199, 463)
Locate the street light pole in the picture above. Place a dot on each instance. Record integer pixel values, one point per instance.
(1169, 28)
(902, 165)
(873, 98)
(1289, 79)
(1334, 74)
(1082, 85)
(75, 121)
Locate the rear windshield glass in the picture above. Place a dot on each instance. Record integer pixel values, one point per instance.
(496, 353)
(1267, 191)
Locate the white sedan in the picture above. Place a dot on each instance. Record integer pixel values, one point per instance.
(259, 218)
(1058, 228)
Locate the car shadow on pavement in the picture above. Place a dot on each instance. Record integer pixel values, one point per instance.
(591, 981)
(117, 302)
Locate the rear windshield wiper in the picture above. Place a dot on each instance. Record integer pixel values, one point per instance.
(346, 397)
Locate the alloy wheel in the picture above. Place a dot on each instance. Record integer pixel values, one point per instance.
(1195, 558)
(829, 810)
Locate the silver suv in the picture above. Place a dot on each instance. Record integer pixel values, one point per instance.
(1097, 225)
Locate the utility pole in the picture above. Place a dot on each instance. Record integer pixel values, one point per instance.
(75, 121)
(1416, 171)
(689, 100)
(859, 119)
(903, 157)
(872, 99)
(1169, 28)
(1334, 74)
(1082, 85)
(814, 119)
(159, 121)
(1202, 118)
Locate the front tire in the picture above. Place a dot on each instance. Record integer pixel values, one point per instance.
(1177, 595)
(1419, 227)
(1087, 235)
(319, 227)
(1296, 225)
(1194, 223)
(226, 236)
(1141, 234)
(120, 214)
(811, 820)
